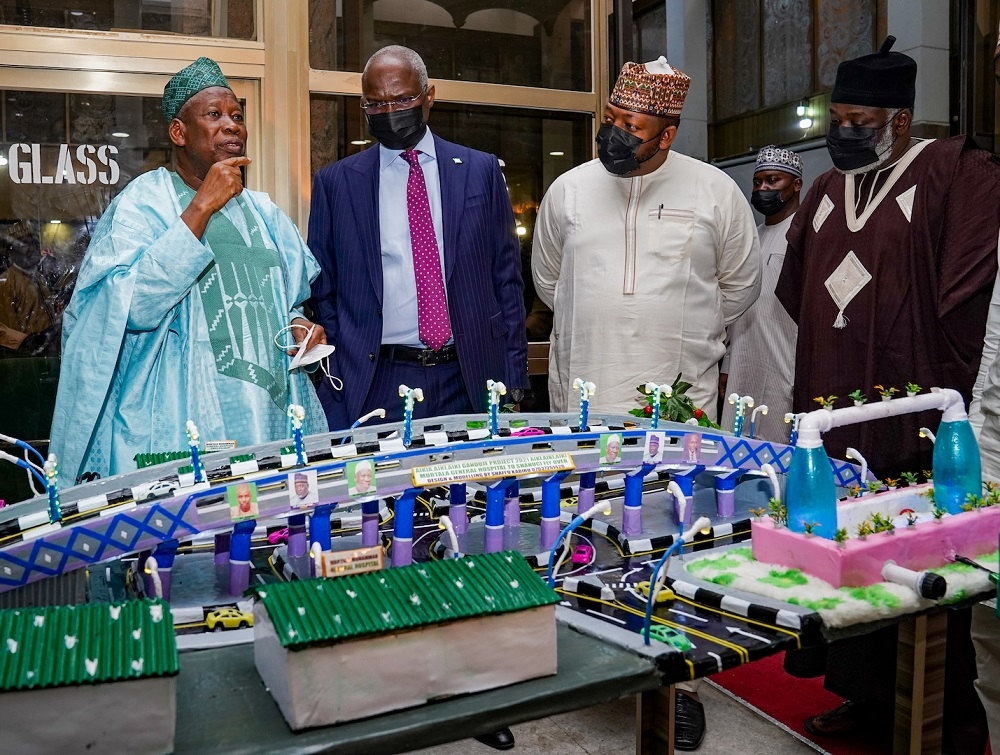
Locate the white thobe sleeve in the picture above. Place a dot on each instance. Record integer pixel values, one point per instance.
(738, 256)
(547, 244)
(990, 343)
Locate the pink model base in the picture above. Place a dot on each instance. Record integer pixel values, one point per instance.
(858, 563)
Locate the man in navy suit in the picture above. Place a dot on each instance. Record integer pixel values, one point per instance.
(421, 274)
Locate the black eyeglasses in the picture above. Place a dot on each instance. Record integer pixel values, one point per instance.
(401, 104)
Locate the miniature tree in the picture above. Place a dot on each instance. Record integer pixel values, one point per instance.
(840, 536)
(825, 401)
(912, 389)
(886, 393)
(973, 502)
(810, 527)
(778, 511)
(858, 397)
(878, 522)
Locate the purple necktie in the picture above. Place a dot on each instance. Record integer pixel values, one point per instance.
(432, 307)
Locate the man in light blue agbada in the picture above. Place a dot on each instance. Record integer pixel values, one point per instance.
(187, 288)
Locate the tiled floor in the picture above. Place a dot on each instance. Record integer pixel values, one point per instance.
(608, 730)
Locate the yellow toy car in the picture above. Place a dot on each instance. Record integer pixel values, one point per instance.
(228, 618)
(663, 596)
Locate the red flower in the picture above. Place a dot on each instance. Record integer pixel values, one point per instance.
(647, 410)
(698, 414)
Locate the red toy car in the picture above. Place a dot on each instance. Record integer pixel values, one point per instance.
(583, 554)
(278, 536)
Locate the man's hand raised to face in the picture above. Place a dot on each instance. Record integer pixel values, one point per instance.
(222, 182)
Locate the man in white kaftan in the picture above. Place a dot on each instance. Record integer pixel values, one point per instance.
(644, 255)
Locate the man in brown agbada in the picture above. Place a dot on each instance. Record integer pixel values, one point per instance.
(889, 272)
(891, 261)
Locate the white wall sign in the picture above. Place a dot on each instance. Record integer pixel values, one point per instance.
(86, 164)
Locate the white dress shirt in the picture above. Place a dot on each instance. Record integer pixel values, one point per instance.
(399, 286)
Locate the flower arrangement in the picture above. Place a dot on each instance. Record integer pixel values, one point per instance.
(886, 393)
(825, 401)
(858, 397)
(678, 407)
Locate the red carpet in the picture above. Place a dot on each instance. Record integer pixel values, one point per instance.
(765, 685)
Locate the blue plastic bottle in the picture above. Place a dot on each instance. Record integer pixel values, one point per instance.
(957, 469)
(810, 494)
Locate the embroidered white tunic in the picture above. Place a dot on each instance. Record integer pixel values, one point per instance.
(643, 275)
(762, 346)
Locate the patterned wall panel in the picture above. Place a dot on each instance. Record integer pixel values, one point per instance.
(736, 57)
(845, 29)
(787, 50)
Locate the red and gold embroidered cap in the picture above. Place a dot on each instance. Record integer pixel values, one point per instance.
(655, 88)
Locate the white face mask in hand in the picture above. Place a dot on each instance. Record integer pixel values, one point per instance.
(318, 354)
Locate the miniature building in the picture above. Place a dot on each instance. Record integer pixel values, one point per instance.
(98, 678)
(338, 649)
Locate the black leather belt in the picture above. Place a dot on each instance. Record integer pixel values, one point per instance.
(413, 355)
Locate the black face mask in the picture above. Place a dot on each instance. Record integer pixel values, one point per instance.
(853, 147)
(398, 129)
(768, 202)
(617, 149)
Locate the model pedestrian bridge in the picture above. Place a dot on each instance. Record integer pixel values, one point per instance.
(154, 508)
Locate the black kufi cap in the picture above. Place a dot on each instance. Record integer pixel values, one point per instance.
(885, 79)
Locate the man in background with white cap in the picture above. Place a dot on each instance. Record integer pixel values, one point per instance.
(761, 358)
(644, 255)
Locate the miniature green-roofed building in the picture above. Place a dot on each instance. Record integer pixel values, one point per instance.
(108, 670)
(101, 642)
(330, 610)
(343, 648)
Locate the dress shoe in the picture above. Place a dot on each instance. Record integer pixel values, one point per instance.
(689, 722)
(502, 739)
(844, 719)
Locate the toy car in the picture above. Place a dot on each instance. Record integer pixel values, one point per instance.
(583, 554)
(662, 596)
(278, 536)
(228, 618)
(671, 637)
(159, 489)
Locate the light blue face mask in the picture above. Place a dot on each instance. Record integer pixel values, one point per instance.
(318, 355)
